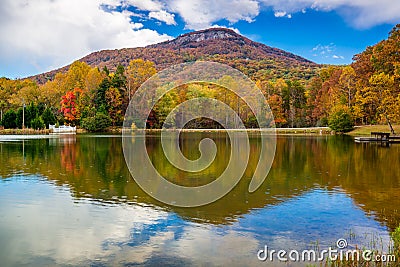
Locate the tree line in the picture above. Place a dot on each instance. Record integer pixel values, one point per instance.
(364, 92)
(85, 96)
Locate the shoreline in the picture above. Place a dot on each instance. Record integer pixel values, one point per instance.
(119, 130)
(364, 130)
(309, 130)
(24, 131)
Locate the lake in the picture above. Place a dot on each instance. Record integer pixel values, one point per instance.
(70, 200)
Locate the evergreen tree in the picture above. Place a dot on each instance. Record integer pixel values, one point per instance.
(9, 119)
(48, 117)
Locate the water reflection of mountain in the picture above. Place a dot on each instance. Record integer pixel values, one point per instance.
(94, 168)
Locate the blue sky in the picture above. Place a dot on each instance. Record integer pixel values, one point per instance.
(42, 35)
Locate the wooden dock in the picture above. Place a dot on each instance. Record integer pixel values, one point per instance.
(379, 137)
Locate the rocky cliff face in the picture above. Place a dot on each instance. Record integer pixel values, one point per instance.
(200, 36)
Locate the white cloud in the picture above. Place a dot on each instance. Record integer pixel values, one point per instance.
(148, 5)
(164, 16)
(360, 13)
(54, 33)
(234, 248)
(200, 14)
(231, 28)
(337, 57)
(280, 14)
(63, 234)
(326, 51)
(156, 8)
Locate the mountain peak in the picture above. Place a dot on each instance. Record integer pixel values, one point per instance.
(203, 35)
(210, 34)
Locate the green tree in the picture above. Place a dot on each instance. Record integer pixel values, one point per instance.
(9, 119)
(96, 123)
(37, 123)
(118, 79)
(18, 119)
(31, 112)
(100, 97)
(48, 117)
(340, 119)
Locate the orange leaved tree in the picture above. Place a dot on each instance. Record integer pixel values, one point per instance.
(69, 106)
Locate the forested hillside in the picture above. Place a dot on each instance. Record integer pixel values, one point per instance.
(216, 44)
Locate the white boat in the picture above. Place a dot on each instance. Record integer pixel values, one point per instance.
(62, 129)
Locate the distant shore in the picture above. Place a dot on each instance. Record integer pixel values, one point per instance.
(304, 130)
(118, 130)
(358, 130)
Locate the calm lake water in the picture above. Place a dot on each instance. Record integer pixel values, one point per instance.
(71, 201)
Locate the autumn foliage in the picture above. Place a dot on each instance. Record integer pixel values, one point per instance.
(69, 105)
(369, 87)
(299, 93)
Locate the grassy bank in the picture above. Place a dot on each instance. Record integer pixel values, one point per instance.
(367, 129)
(282, 131)
(306, 130)
(375, 244)
(24, 131)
